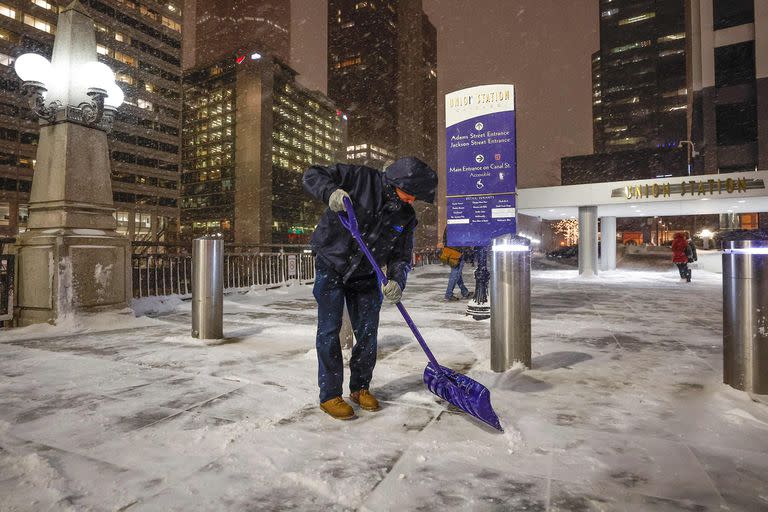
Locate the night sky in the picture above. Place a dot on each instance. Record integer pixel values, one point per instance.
(544, 47)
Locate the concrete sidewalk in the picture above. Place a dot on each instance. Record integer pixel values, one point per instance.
(624, 410)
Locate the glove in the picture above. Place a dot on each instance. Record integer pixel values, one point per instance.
(392, 291)
(336, 201)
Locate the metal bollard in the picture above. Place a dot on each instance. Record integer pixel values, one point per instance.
(208, 287)
(510, 302)
(745, 315)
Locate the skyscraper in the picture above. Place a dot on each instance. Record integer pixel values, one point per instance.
(216, 27)
(729, 72)
(382, 57)
(642, 75)
(382, 71)
(250, 132)
(141, 42)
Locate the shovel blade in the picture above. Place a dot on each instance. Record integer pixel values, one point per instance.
(465, 393)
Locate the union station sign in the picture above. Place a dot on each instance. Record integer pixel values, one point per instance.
(689, 188)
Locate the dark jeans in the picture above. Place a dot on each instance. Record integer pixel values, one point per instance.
(363, 300)
(684, 270)
(456, 278)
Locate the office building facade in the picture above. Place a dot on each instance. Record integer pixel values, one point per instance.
(141, 42)
(639, 94)
(729, 73)
(642, 75)
(382, 71)
(250, 132)
(214, 28)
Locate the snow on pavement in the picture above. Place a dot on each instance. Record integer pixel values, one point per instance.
(624, 409)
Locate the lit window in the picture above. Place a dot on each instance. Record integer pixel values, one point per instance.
(674, 108)
(672, 37)
(125, 59)
(678, 92)
(100, 27)
(171, 24)
(146, 105)
(103, 50)
(5, 60)
(635, 19)
(148, 12)
(7, 11)
(122, 38)
(608, 13)
(149, 87)
(37, 23)
(631, 46)
(43, 4)
(126, 79)
(348, 24)
(667, 53)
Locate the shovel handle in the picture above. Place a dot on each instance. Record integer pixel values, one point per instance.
(349, 221)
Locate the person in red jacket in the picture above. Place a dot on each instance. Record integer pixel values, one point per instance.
(680, 256)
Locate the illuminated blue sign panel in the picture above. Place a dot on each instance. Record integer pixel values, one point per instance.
(481, 164)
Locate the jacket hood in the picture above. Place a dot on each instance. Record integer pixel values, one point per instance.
(413, 176)
(679, 235)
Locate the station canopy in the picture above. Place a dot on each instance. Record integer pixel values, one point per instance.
(742, 192)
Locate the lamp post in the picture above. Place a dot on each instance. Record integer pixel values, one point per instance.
(691, 152)
(71, 259)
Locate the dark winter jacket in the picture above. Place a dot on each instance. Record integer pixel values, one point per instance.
(692, 256)
(679, 248)
(386, 222)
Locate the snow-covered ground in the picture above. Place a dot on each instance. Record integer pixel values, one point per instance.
(624, 409)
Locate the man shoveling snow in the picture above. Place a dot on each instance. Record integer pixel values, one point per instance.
(383, 202)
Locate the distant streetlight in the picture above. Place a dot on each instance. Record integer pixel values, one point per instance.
(82, 92)
(690, 153)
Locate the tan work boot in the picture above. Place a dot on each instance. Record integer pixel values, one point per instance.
(365, 400)
(338, 408)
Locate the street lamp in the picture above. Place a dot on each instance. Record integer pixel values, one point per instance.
(690, 153)
(71, 258)
(66, 88)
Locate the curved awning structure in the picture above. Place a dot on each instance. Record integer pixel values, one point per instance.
(681, 195)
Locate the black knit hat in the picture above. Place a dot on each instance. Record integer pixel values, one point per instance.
(414, 177)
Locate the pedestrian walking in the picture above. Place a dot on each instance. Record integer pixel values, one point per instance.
(455, 257)
(383, 205)
(680, 255)
(692, 255)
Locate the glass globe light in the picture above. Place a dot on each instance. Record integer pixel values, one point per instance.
(98, 75)
(32, 67)
(114, 97)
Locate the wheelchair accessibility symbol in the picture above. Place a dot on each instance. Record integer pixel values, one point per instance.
(479, 184)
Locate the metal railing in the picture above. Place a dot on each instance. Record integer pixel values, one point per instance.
(171, 274)
(6, 287)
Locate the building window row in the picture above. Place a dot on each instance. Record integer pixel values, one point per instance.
(144, 180)
(133, 159)
(173, 42)
(671, 37)
(45, 5)
(636, 19)
(631, 46)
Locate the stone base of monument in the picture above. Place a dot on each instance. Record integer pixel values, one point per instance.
(479, 311)
(67, 271)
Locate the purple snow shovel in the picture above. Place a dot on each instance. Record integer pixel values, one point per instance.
(467, 394)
